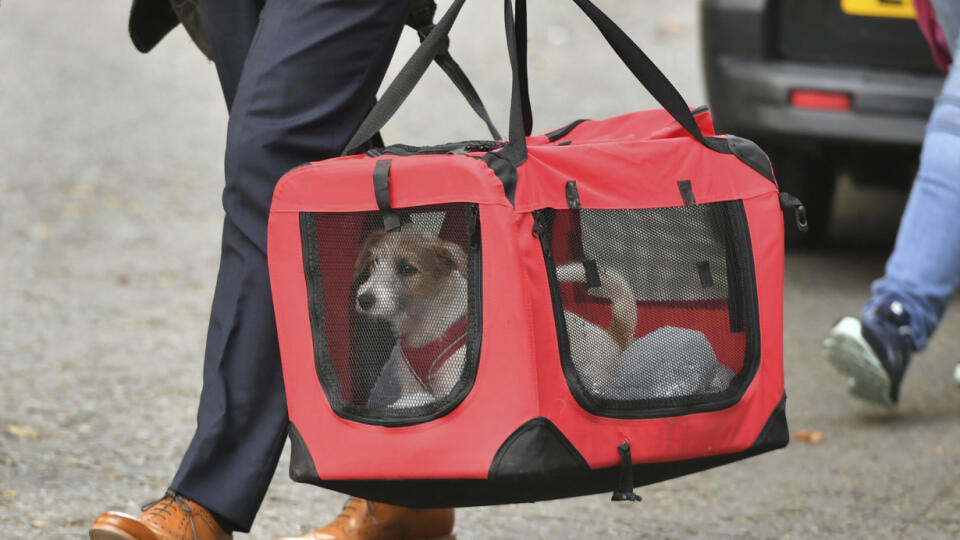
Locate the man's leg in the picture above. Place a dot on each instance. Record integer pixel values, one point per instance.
(309, 77)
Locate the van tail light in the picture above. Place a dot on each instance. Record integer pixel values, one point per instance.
(818, 99)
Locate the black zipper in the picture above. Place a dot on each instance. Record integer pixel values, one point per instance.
(456, 148)
(543, 229)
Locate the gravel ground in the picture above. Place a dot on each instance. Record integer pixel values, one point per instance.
(110, 175)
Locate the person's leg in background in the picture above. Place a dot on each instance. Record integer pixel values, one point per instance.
(922, 272)
(298, 77)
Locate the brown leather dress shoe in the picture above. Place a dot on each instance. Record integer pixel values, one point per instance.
(367, 520)
(171, 518)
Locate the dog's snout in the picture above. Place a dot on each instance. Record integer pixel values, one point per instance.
(366, 301)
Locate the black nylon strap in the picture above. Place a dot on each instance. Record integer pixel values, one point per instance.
(460, 80)
(403, 84)
(381, 190)
(515, 152)
(643, 69)
(420, 18)
(521, 35)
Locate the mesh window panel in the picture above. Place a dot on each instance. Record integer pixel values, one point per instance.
(395, 315)
(655, 311)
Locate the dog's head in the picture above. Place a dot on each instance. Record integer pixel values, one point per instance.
(399, 272)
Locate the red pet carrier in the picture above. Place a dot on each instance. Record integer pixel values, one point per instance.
(588, 310)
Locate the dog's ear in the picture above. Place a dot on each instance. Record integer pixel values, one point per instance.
(452, 257)
(363, 258)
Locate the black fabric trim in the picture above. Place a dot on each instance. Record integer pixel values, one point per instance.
(460, 147)
(445, 493)
(686, 191)
(750, 153)
(706, 276)
(302, 468)
(739, 262)
(311, 269)
(536, 448)
(573, 195)
(325, 371)
(558, 134)
(775, 433)
(718, 144)
(505, 171)
(737, 237)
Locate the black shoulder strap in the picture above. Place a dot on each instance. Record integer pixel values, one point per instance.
(462, 82)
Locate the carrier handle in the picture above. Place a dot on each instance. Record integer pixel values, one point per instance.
(420, 19)
(433, 45)
(644, 70)
(515, 152)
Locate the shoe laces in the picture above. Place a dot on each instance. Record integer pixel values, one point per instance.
(352, 506)
(163, 506)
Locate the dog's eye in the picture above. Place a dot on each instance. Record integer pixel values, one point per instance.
(406, 269)
(364, 274)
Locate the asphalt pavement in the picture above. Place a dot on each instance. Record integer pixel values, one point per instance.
(110, 180)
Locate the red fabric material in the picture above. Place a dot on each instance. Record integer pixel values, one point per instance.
(429, 358)
(930, 27)
(629, 161)
(708, 316)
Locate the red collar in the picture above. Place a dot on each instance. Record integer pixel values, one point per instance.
(427, 359)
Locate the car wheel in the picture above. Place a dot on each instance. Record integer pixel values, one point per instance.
(810, 177)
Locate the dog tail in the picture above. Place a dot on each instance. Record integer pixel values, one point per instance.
(624, 323)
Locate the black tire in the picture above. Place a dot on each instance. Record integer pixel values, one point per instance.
(811, 177)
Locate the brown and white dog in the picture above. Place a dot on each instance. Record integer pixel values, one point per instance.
(418, 283)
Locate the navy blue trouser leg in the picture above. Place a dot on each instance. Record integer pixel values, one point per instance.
(298, 77)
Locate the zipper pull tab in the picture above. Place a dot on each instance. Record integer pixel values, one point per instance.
(624, 491)
(799, 210)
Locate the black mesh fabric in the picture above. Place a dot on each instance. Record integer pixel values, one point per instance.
(654, 305)
(395, 314)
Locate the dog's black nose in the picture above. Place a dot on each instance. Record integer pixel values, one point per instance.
(366, 301)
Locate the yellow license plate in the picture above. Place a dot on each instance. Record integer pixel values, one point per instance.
(900, 9)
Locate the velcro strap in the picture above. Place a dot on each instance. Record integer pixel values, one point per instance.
(573, 195)
(592, 273)
(686, 191)
(381, 189)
